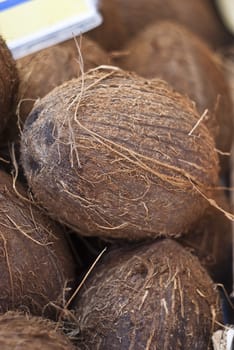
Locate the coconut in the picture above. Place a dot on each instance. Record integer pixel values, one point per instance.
(169, 51)
(36, 264)
(26, 332)
(92, 54)
(211, 241)
(42, 71)
(119, 157)
(225, 58)
(112, 33)
(8, 84)
(199, 16)
(154, 296)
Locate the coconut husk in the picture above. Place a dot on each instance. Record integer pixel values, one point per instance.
(42, 71)
(36, 265)
(169, 51)
(116, 155)
(8, 84)
(225, 58)
(112, 33)
(151, 296)
(211, 242)
(25, 332)
(198, 16)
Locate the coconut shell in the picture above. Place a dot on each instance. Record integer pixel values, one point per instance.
(26, 332)
(92, 54)
(154, 296)
(112, 33)
(36, 264)
(225, 58)
(8, 84)
(123, 19)
(169, 51)
(119, 162)
(211, 241)
(42, 71)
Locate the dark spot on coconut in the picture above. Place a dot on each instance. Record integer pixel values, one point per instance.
(49, 133)
(33, 165)
(33, 116)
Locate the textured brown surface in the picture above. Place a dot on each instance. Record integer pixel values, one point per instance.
(147, 297)
(8, 84)
(44, 70)
(24, 332)
(211, 241)
(112, 33)
(123, 19)
(168, 51)
(225, 58)
(125, 166)
(35, 260)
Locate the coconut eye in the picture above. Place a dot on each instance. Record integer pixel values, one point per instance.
(33, 116)
(49, 133)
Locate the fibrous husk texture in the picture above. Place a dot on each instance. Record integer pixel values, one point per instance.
(123, 19)
(211, 241)
(152, 297)
(36, 265)
(169, 51)
(114, 156)
(42, 71)
(8, 84)
(25, 332)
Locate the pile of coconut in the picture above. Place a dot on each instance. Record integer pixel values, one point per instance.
(116, 216)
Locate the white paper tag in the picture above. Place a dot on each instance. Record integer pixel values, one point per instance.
(224, 339)
(31, 25)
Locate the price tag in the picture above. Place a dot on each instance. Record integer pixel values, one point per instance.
(226, 8)
(31, 25)
(224, 339)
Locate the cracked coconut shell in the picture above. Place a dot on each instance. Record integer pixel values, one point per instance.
(36, 264)
(116, 157)
(8, 84)
(26, 332)
(169, 51)
(151, 296)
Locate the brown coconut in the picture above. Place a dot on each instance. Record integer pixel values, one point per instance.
(225, 57)
(211, 242)
(112, 33)
(154, 296)
(26, 332)
(199, 16)
(36, 264)
(116, 157)
(169, 51)
(42, 71)
(8, 84)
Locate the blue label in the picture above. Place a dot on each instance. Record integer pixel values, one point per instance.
(6, 4)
